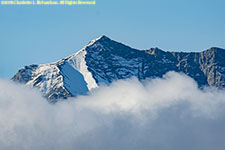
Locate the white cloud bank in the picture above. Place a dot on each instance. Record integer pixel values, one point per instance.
(168, 113)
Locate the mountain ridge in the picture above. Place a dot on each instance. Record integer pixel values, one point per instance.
(103, 61)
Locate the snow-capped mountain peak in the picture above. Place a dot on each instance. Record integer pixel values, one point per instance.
(103, 61)
(101, 38)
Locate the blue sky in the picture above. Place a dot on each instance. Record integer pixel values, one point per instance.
(44, 34)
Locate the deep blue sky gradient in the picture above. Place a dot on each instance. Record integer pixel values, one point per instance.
(44, 34)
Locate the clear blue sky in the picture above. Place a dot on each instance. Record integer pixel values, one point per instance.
(43, 34)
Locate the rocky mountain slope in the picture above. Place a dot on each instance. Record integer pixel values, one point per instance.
(104, 60)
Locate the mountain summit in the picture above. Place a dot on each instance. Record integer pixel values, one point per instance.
(104, 60)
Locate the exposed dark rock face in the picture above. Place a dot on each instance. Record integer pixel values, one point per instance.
(109, 60)
(25, 74)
